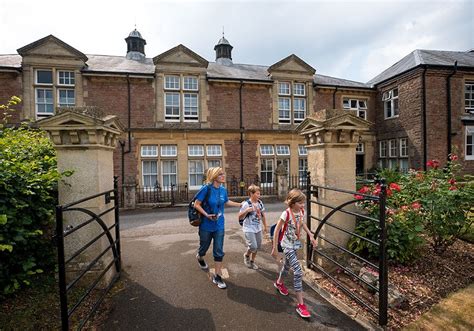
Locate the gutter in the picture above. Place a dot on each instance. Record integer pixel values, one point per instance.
(448, 99)
(423, 112)
(238, 80)
(129, 121)
(242, 129)
(334, 98)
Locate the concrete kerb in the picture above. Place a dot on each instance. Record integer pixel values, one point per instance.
(338, 304)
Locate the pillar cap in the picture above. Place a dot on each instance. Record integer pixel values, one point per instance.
(82, 127)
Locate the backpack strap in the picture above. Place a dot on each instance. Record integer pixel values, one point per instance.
(282, 232)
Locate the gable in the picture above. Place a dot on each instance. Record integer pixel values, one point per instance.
(180, 55)
(292, 64)
(51, 46)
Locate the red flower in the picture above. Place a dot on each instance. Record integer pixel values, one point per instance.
(364, 189)
(452, 181)
(433, 164)
(416, 205)
(419, 176)
(389, 192)
(358, 197)
(395, 187)
(453, 157)
(453, 188)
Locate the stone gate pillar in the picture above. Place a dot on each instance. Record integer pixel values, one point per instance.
(282, 181)
(331, 138)
(84, 140)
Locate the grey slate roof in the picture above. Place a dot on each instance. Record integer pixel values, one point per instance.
(332, 81)
(428, 57)
(12, 61)
(238, 71)
(119, 64)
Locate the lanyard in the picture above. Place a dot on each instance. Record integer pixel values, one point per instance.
(297, 224)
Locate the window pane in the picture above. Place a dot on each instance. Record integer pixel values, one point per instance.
(302, 150)
(196, 172)
(169, 173)
(283, 150)
(266, 150)
(190, 106)
(172, 106)
(190, 83)
(66, 78)
(66, 98)
(172, 82)
(196, 150)
(299, 89)
(168, 150)
(214, 150)
(44, 77)
(149, 150)
(284, 88)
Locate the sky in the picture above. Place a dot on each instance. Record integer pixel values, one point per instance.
(350, 39)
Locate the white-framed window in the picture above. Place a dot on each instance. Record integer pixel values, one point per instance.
(195, 150)
(469, 142)
(190, 83)
(360, 105)
(169, 150)
(50, 84)
(172, 106)
(44, 77)
(284, 109)
(403, 144)
(196, 173)
(149, 151)
(299, 109)
(383, 148)
(213, 163)
(191, 106)
(469, 97)
(214, 150)
(180, 103)
(44, 101)
(360, 149)
(390, 101)
(283, 149)
(291, 102)
(266, 150)
(168, 173)
(302, 151)
(149, 173)
(299, 89)
(66, 78)
(284, 88)
(392, 148)
(302, 167)
(393, 164)
(266, 171)
(172, 82)
(66, 97)
(403, 165)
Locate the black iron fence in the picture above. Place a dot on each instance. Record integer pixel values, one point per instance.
(70, 303)
(314, 192)
(175, 193)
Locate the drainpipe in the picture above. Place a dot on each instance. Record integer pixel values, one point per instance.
(425, 144)
(122, 143)
(448, 89)
(334, 99)
(241, 140)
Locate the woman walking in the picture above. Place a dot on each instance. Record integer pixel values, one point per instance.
(212, 226)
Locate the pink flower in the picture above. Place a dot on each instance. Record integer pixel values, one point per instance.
(364, 189)
(358, 197)
(404, 208)
(390, 211)
(395, 187)
(416, 205)
(452, 181)
(453, 157)
(453, 188)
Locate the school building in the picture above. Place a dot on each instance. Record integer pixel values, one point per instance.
(184, 113)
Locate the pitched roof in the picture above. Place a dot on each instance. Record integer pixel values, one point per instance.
(23, 50)
(10, 61)
(424, 57)
(323, 80)
(238, 71)
(119, 64)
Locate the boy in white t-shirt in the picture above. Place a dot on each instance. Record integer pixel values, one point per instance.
(252, 217)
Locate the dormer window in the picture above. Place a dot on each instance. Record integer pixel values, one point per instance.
(53, 88)
(181, 98)
(291, 102)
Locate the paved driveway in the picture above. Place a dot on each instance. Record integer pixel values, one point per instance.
(165, 288)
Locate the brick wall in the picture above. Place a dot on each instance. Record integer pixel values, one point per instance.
(257, 107)
(224, 106)
(10, 83)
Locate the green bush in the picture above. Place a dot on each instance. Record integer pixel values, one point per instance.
(28, 185)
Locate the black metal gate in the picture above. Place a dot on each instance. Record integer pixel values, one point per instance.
(313, 194)
(68, 307)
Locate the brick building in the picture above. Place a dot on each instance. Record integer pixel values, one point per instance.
(184, 113)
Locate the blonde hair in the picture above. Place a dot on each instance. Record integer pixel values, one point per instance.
(294, 196)
(253, 188)
(212, 174)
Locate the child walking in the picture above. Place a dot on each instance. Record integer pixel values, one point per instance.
(291, 221)
(252, 216)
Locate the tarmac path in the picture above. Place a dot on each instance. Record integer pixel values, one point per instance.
(166, 290)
